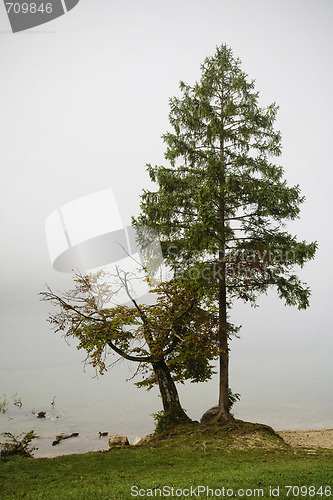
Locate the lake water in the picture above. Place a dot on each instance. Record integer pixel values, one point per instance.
(286, 388)
(110, 404)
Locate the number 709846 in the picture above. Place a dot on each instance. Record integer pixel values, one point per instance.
(29, 8)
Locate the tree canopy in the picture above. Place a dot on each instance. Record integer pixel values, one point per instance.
(172, 340)
(220, 210)
(221, 205)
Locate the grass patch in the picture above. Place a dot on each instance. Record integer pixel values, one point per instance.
(235, 434)
(188, 456)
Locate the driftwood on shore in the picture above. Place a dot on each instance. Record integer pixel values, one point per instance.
(61, 437)
(115, 441)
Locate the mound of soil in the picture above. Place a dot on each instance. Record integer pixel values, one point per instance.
(235, 434)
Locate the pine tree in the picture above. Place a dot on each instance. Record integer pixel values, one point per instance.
(222, 204)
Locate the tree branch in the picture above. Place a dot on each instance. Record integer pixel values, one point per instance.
(123, 354)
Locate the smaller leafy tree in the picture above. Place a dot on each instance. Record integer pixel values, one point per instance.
(172, 340)
(18, 445)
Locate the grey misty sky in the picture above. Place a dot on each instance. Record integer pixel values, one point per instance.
(84, 102)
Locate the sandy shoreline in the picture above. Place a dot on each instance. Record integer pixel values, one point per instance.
(311, 438)
(298, 439)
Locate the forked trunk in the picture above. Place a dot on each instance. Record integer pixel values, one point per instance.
(169, 394)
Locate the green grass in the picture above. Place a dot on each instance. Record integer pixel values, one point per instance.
(194, 455)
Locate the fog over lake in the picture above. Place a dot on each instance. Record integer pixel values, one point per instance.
(84, 102)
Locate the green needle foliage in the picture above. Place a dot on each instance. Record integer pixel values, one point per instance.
(222, 203)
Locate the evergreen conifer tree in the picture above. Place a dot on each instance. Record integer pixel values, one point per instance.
(222, 203)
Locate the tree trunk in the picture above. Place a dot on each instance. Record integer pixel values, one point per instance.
(223, 413)
(169, 394)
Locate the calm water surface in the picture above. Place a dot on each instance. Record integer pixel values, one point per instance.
(276, 385)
